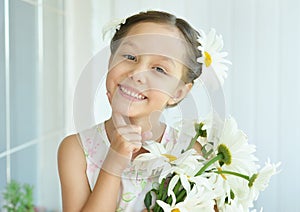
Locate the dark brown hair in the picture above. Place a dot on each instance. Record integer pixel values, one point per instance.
(189, 33)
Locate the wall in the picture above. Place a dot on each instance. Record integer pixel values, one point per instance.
(262, 91)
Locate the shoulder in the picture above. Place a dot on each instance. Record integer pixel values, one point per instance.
(71, 168)
(70, 143)
(70, 151)
(71, 162)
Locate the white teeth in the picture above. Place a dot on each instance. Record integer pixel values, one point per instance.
(131, 93)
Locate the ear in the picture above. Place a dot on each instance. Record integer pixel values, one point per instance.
(180, 93)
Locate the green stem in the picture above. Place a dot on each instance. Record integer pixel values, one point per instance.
(209, 163)
(164, 196)
(193, 141)
(169, 200)
(156, 208)
(161, 189)
(176, 189)
(160, 196)
(181, 195)
(234, 173)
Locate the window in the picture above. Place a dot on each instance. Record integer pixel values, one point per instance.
(31, 96)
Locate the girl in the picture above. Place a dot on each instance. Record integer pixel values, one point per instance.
(152, 66)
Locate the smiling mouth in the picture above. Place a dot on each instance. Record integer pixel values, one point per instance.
(129, 92)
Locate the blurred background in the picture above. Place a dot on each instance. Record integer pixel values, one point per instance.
(45, 45)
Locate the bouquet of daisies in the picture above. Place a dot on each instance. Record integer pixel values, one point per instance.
(224, 176)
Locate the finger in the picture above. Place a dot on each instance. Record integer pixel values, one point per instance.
(146, 135)
(135, 146)
(132, 137)
(129, 129)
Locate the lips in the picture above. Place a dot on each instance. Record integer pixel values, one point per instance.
(131, 93)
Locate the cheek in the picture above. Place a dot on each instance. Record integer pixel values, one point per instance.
(108, 80)
(111, 83)
(158, 97)
(165, 87)
(158, 101)
(118, 71)
(113, 75)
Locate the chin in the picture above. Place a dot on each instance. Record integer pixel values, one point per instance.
(124, 109)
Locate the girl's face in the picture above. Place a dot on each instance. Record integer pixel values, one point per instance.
(143, 75)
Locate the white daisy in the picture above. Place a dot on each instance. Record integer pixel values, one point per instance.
(162, 157)
(187, 163)
(233, 144)
(156, 158)
(211, 46)
(240, 191)
(259, 182)
(173, 207)
(232, 207)
(220, 187)
(198, 199)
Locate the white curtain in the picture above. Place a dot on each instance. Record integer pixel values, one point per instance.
(262, 90)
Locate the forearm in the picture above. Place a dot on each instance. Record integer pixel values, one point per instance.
(124, 141)
(105, 193)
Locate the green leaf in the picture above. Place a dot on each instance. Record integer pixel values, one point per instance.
(148, 200)
(18, 198)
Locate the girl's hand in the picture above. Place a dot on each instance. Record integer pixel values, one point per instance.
(126, 139)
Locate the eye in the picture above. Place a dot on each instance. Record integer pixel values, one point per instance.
(129, 57)
(159, 69)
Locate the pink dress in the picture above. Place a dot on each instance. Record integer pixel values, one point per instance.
(135, 183)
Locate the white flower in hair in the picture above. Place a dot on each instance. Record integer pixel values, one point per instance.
(211, 46)
(111, 27)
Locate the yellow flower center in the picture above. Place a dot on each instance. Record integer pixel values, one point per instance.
(170, 157)
(224, 150)
(175, 210)
(207, 59)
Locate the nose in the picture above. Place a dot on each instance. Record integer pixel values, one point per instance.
(138, 74)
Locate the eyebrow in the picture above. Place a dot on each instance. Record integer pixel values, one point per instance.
(129, 43)
(165, 58)
(161, 57)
